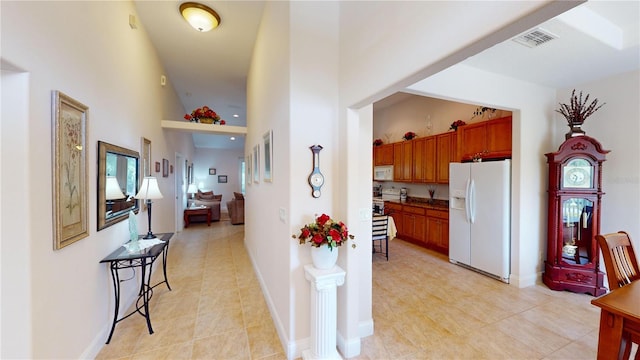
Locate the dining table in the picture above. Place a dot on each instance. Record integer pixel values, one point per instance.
(619, 318)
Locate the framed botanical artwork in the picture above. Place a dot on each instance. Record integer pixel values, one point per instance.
(165, 168)
(222, 179)
(248, 167)
(70, 200)
(268, 156)
(212, 171)
(145, 145)
(157, 166)
(256, 164)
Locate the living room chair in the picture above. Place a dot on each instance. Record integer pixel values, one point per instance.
(236, 209)
(379, 234)
(622, 269)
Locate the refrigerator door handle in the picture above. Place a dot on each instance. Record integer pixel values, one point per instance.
(467, 200)
(471, 200)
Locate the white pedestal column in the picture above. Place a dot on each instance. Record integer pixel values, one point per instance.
(323, 311)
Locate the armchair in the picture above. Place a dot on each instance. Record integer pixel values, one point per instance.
(236, 209)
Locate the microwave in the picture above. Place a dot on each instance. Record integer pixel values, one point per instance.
(383, 173)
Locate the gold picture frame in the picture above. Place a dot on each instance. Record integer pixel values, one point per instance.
(70, 193)
(146, 157)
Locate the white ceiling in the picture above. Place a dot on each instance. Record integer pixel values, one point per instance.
(594, 40)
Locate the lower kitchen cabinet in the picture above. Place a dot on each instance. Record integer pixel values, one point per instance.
(437, 237)
(414, 223)
(395, 210)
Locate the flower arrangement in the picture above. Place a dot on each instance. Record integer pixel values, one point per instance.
(577, 111)
(477, 157)
(454, 125)
(409, 135)
(377, 142)
(203, 113)
(324, 231)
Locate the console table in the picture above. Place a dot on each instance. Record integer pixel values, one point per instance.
(205, 210)
(121, 258)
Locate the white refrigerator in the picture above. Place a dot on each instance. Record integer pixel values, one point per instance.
(480, 217)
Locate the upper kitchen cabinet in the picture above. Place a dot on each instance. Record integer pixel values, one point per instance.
(446, 146)
(491, 138)
(383, 155)
(424, 160)
(403, 161)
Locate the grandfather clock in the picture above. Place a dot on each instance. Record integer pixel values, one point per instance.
(575, 192)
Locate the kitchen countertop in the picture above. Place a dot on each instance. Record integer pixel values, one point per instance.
(422, 202)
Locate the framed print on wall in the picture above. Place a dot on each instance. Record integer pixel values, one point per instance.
(165, 168)
(222, 179)
(212, 171)
(268, 156)
(70, 203)
(157, 166)
(256, 164)
(146, 157)
(248, 167)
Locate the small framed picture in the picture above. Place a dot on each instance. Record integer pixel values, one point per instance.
(165, 168)
(212, 171)
(222, 179)
(157, 166)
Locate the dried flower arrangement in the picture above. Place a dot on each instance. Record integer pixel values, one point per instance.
(577, 111)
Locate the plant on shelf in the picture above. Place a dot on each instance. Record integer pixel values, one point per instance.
(409, 135)
(204, 115)
(377, 142)
(454, 125)
(576, 112)
(481, 111)
(477, 157)
(324, 231)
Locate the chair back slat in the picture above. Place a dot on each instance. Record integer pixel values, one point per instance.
(619, 259)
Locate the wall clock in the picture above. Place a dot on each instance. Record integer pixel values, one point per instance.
(316, 179)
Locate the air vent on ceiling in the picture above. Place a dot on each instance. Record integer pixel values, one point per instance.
(535, 37)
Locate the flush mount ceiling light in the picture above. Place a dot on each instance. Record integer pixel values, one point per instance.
(201, 17)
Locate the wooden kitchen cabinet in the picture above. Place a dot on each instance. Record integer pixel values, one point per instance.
(395, 211)
(437, 225)
(414, 223)
(492, 137)
(446, 146)
(424, 160)
(403, 161)
(383, 155)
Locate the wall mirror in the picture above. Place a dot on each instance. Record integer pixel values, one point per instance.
(118, 178)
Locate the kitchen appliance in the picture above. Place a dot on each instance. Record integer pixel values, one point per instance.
(480, 217)
(383, 173)
(391, 194)
(377, 191)
(403, 194)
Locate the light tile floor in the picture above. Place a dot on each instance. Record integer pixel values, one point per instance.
(423, 308)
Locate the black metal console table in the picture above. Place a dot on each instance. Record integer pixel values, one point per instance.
(121, 258)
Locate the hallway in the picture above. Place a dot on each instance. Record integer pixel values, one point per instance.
(423, 307)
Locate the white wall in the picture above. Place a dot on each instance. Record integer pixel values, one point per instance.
(100, 61)
(226, 162)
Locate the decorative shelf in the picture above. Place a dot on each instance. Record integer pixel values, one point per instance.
(203, 128)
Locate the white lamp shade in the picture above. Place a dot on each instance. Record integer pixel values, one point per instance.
(200, 17)
(112, 189)
(149, 189)
(192, 189)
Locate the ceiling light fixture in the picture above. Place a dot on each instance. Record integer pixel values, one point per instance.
(232, 138)
(201, 17)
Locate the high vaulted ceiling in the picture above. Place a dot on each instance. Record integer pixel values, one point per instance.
(596, 39)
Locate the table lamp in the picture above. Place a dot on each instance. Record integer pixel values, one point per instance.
(149, 191)
(192, 189)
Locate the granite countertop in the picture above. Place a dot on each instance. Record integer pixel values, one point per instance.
(423, 202)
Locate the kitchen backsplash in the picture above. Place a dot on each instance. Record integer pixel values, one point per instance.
(418, 190)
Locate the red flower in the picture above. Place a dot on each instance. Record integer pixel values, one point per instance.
(318, 238)
(222, 122)
(305, 233)
(335, 234)
(323, 219)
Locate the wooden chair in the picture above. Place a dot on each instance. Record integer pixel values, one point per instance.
(379, 234)
(619, 259)
(622, 268)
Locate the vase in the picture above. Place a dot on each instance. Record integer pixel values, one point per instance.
(323, 257)
(206, 120)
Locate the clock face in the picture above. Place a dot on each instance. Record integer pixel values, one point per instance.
(317, 179)
(577, 174)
